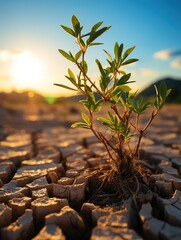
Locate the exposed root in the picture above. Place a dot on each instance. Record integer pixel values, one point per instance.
(116, 184)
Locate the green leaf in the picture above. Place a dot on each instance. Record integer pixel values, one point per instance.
(163, 90)
(116, 49)
(73, 81)
(91, 96)
(95, 44)
(132, 60)
(76, 25)
(156, 89)
(122, 72)
(123, 79)
(120, 50)
(100, 67)
(111, 116)
(96, 26)
(104, 121)
(86, 118)
(85, 67)
(125, 88)
(68, 30)
(127, 52)
(109, 56)
(66, 55)
(80, 124)
(86, 104)
(64, 86)
(71, 74)
(169, 91)
(95, 35)
(77, 55)
(98, 105)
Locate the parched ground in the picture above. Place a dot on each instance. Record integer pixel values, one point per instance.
(44, 193)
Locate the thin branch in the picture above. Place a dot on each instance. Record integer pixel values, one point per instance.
(151, 119)
(141, 132)
(116, 111)
(106, 143)
(137, 121)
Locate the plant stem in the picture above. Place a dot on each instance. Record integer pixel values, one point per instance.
(141, 132)
(116, 111)
(137, 120)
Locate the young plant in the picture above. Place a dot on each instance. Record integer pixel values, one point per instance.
(124, 108)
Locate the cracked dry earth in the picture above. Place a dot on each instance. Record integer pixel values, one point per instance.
(44, 192)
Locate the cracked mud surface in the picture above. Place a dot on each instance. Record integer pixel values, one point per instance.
(44, 192)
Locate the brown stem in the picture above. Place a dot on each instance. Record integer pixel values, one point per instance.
(141, 132)
(137, 121)
(106, 143)
(151, 119)
(116, 111)
(129, 148)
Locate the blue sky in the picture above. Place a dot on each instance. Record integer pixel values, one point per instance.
(31, 36)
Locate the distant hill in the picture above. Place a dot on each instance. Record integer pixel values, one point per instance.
(175, 95)
(175, 85)
(16, 97)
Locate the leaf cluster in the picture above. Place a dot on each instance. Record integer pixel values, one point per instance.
(112, 88)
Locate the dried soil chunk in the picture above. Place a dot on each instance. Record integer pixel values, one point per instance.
(145, 212)
(15, 156)
(39, 193)
(169, 232)
(18, 137)
(168, 178)
(44, 206)
(166, 167)
(111, 233)
(5, 215)
(77, 194)
(115, 219)
(99, 212)
(69, 150)
(1, 183)
(50, 232)
(152, 228)
(164, 188)
(176, 162)
(52, 177)
(61, 191)
(97, 149)
(34, 162)
(19, 205)
(5, 172)
(86, 211)
(8, 194)
(94, 162)
(146, 151)
(22, 229)
(69, 221)
(74, 193)
(71, 173)
(172, 215)
(78, 165)
(51, 153)
(65, 181)
(38, 184)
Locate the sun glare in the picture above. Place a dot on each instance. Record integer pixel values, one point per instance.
(27, 71)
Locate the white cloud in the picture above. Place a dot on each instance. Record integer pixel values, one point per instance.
(176, 63)
(166, 54)
(147, 72)
(8, 55)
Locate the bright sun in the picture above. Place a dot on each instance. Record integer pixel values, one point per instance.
(27, 71)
